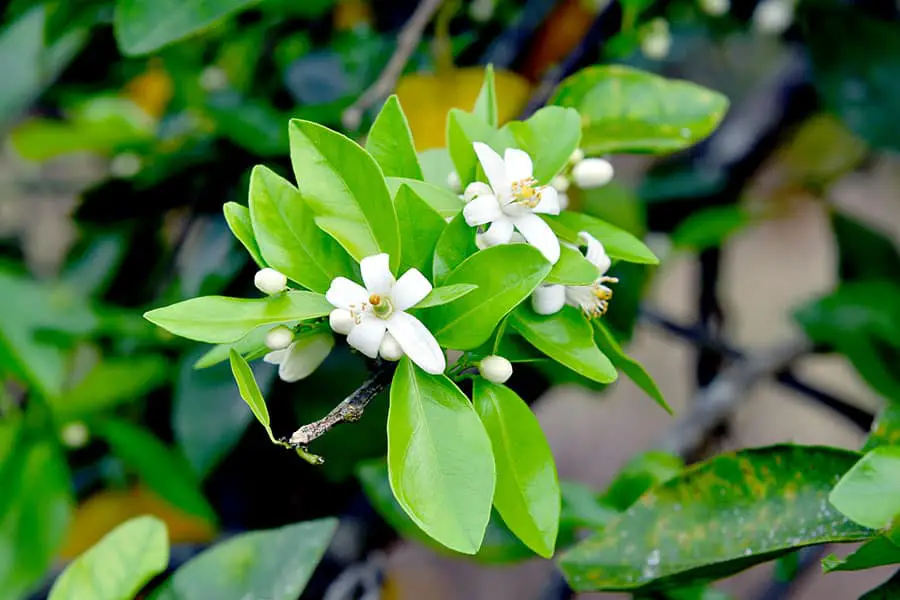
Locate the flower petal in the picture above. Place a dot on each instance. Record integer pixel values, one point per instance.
(595, 253)
(481, 210)
(376, 274)
(518, 164)
(410, 289)
(367, 335)
(548, 299)
(494, 168)
(500, 232)
(346, 294)
(549, 203)
(538, 234)
(417, 342)
(305, 355)
(276, 357)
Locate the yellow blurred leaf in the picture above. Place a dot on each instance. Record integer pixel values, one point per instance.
(151, 90)
(821, 151)
(102, 512)
(426, 99)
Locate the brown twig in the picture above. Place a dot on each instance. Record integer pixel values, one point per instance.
(407, 40)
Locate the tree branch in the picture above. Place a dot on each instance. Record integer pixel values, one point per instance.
(349, 410)
(407, 40)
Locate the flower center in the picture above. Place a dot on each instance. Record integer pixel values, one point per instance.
(381, 306)
(526, 192)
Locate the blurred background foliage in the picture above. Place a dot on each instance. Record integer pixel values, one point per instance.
(129, 123)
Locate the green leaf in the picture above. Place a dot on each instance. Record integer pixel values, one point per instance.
(486, 103)
(252, 123)
(455, 245)
(439, 458)
(719, 517)
(618, 243)
(864, 253)
(436, 167)
(877, 552)
(420, 228)
(527, 494)
(344, 186)
(252, 345)
(250, 392)
(889, 590)
(117, 566)
(238, 218)
(549, 136)
(641, 473)
(446, 294)
(222, 320)
(572, 268)
(710, 227)
(582, 508)
(626, 110)
(390, 142)
(442, 200)
(869, 493)
(288, 237)
(505, 276)
(274, 564)
(886, 428)
(158, 466)
(462, 130)
(567, 338)
(636, 372)
(143, 26)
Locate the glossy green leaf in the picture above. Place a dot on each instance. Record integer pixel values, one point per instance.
(641, 473)
(572, 268)
(142, 26)
(456, 244)
(250, 392)
(344, 186)
(420, 228)
(566, 337)
(252, 345)
(289, 240)
(238, 218)
(889, 590)
(252, 123)
(436, 167)
(527, 494)
(390, 142)
(446, 294)
(886, 428)
(626, 110)
(549, 136)
(222, 320)
(719, 517)
(164, 471)
(877, 552)
(274, 564)
(634, 370)
(505, 276)
(618, 243)
(117, 566)
(462, 130)
(869, 493)
(710, 227)
(864, 253)
(439, 458)
(486, 103)
(440, 199)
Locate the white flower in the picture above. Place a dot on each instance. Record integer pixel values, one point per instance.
(269, 281)
(773, 16)
(715, 8)
(577, 156)
(481, 11)
(514, 202)
(213, 79)
(495, 369)
(657, 41)
(125, 165)
(341, 321)
(279, 338)
(592, 173)
(390, 349)
(380, 308)
(302, 357)
(75, 434)
(453, 182)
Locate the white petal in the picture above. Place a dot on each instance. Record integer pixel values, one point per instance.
(518, 164)
(595, 253)
(500, 232)
(548, 299)
(410, 289)
(475, 189)
(417, 342)
(276, 357)
(376, 274)
(341, 321)
(305, 355)
(366, 337)
(539, 235)
(494, 168)
(549, 203)
(481, 210)
(346, 294)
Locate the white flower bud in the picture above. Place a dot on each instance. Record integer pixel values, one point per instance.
(213, 79)
(657, 41)
(592, 173)
(773, 17)
(269, 281)
(495, 369)
(548, 299)
(453, 182)
(75, 434)
(476, 189)
(715, 8)
(279, 338)
(341, 321)
(577, 156)
(563, 200)
(560, 183)
(481, 11)
(390, 349)
(125, 165)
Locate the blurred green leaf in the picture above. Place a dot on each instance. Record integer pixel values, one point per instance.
(65, 16)
(634, 370)
(390, 142)
(886, 428)
(582, 507)
(869, 493)
(643, 472)
(549, 136)
(252, 123)
(274, 564)
(618, 243)
(710, 227)
(864, 253)
(420, 228)
(119, 565)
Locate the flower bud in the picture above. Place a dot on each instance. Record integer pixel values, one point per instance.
(453, 182)
(773, 16)
(476, 189)
(269, 281)
(390, 349)
(125, 165)
(563, 199)
(577, 156)
(592, 173)
(341, 321)
(495, 369)
(279, 338)
(657, 41)
(213, 79)
(548, 299)
(481, 11)
(715, 8)
(75, 434)
(560, 183)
